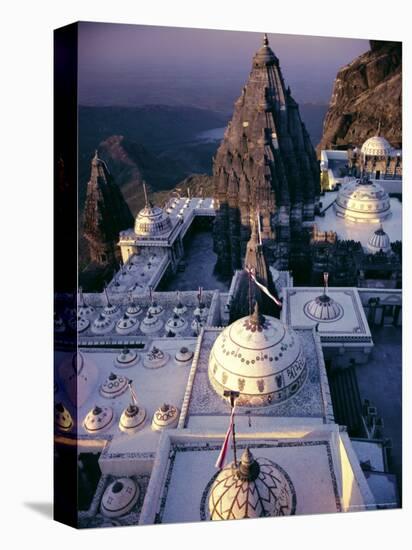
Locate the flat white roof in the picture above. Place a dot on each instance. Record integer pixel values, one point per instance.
(348, 230)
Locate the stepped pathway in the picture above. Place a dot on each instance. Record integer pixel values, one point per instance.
(346, 400)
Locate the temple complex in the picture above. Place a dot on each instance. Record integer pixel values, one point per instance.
(312, 311)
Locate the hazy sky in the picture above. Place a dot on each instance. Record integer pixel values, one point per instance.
(135, 65)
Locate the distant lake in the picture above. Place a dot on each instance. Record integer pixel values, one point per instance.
(215, 134)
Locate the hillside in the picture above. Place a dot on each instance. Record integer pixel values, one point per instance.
(366, 92)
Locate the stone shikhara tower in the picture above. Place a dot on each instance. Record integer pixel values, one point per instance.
(265, 165)
(106, 213)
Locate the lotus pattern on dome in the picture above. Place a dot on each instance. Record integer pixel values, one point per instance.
(263, 490)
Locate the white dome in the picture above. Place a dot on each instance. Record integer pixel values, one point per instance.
(362, 201)
(166, 416)
(98, 419)
(126, 358)
(155, 309)
(151, 324)
(102, 324)
(62, 418)
(201, 311)
(126, 325)
(133, 310)
(377, 146)
(379, 241)
(323, 308)
(156, 358)
(176, 324)
(255, 488)
(197, 324)
(260, 357)
(79, 376)
(184, 356)
(179, 309)
(152, 221)
(132, 419)
(114, 386)
(82, 323)
(119, 497)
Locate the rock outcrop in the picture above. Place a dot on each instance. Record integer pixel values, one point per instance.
(265, 164)
(367, 92)
(105, 214)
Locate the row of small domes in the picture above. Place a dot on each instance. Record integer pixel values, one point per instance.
(108, 320)
(132, 419)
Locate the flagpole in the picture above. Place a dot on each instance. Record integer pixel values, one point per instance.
(233, 395)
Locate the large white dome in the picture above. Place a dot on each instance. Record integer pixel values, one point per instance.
(260, 357)
(253, 489)
(362, 201)
(377, 146)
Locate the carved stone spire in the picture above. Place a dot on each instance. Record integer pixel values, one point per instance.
(106, 213)
(265, 160)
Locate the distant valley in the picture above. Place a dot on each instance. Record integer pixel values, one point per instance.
(159, 144)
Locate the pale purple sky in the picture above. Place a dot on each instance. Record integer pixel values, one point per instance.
(136, 65)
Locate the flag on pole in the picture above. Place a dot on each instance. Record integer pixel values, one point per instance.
(263, 288)
(221, 459)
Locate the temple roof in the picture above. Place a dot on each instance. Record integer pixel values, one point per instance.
(260, 357)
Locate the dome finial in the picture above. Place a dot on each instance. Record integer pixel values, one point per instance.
(146, 200)
(325, 282)
(265, 40)
(257, 318)
(248, 469)
(379, 127)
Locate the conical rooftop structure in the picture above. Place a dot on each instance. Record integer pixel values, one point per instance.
(246, 291)
(106, 213)
(265, 160)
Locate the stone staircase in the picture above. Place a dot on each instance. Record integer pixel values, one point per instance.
(346, 400)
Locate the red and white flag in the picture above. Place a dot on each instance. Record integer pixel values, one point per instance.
(263, 288)
(221, 459)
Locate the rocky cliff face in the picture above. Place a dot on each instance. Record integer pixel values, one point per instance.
(264, 164)
(367, 92)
